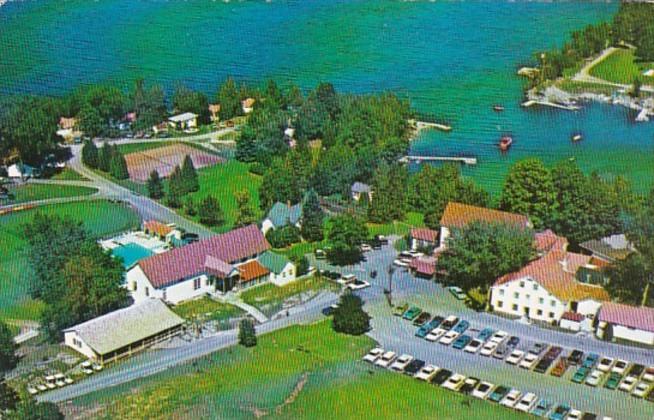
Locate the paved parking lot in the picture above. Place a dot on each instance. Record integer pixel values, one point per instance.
(396, 334)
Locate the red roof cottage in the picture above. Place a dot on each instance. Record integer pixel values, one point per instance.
(625, 322)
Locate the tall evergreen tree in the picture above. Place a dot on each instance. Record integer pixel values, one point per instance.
(175, 188)
(189, 175)
(90, 154)
(245, 213)
(229, 99)
(90, 122)
(8, 347)
(210, 212)
(349, 316)
(155, 186)
(312, 218)
(118, 166)
(389, 197)
(247, 335)
(104, 157)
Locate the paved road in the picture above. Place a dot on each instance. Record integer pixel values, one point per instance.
(212, 136)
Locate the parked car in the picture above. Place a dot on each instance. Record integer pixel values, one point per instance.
(613, 381)
(650, 395)
(648, 375)
(595, 377)
(498, 394)
(461, 342)
(605, 364)
(591, 360)
(513, 341)
(553, 352)
(422, 318)
(373, 355)
(426, 372)
(574, 414)
(575, 357)
(483, 390)
(366, 248)
(320, 254)
(560, 412)
(413, 367)
(449, 322)
(529, 361)
(542, 408)
(435, 335)
(488, 349)
(469, 385)
(515, 357)
(628, 384)
(620, 366)
(542, 365)
(473, 346)
(501, 352)
(399, 310)
(401, 363)
(346, 279)
(449, 338)
(499, 336)
(457, 292)
(400, 262)
(328, 311)
(485, 334)
(441, 376)
(412, 313)
(381, 239)
(386, 359)
(429, 326)
(640, 390)
(636, 370)
(461, 327)
(537, 349)
(511, 399)
(559, 368)
(580, 375)
(527, 402)
(454, 382)
(358, 285)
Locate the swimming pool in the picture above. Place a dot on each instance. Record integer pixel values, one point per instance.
(131, 253)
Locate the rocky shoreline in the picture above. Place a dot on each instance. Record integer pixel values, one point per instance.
(556, 96)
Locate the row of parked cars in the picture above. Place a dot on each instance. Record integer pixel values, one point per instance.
(509, 397)
(58, 380)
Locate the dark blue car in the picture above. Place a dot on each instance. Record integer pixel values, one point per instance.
(485, 334)
(426, 328)
(591, 360)
(461, 342)
(462, 326)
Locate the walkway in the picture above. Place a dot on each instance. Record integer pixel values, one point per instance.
(235, 300)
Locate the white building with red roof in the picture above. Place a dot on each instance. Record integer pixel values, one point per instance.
(625, 322)
(213, 265)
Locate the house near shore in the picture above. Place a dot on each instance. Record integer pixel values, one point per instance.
(187, 121)
(214, 112)
(421, 238)
(231, 261)
(247, 105)
(617, 321)
(66, 128)
(162, 127)
(124, 332)
(21, 171)
(458, 216)
(547, 288)
(166, 232)
(359, 189)
(281, 215)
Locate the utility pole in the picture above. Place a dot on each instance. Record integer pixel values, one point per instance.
(389, 291)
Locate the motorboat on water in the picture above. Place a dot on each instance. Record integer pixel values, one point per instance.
(505, 143)
(576, 137)
(498, 108)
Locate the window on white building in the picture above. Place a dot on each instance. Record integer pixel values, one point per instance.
(196, 283)
(522, 284)
(535, 286)
(501, 292)
(516, 295)
(500, 303)
(541, 300)
(552, 302)
(147, 291)
(514, 307)
(539, 312)
(551, 314)
(528, 296)
(165, 295)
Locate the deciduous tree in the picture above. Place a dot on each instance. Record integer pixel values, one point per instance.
(312, 218)
(247, 335)
(210, 212)
(349, 316)
(244, 211)
(155, 185)
(8, 357)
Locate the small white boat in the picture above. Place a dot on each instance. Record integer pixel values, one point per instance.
(577, 137)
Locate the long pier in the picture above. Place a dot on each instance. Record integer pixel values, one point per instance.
(533, 102)
(421, 125)
(420, 159)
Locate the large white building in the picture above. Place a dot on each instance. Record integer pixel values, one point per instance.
(547, 287)
(214, 265)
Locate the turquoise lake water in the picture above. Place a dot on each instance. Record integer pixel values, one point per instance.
(451, 59)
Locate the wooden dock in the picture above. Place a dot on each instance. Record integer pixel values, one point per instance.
(421, 125)
(420, 159)
(532, 102)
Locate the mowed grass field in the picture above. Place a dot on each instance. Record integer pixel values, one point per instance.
(301, 372)
(223, 181)
(621, 67)
(101, 218)
(33, 192)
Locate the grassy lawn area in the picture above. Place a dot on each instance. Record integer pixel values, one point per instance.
(401, 228)
(223, 181)
(298, 372)
(620, 67)
(101, 218)
(69, 175)
(270, 294)
(33, 192)
(583, 87)
(207, 308)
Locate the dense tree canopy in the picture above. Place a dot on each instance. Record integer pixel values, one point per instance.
(229, 99)
(313, 218)
(349, 316)
(8, 357)
(346, 233)
(245, 213)
(187, 100)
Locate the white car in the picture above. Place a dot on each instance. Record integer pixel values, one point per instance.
(648, 376)
(386, 359)
(41, 387)
(400, 263)
(449, 337)
(529, 361)
(454, 382)
(32, 390)
(574, 414)
(605, 364)
(620, 366)
(426, 373)
(415, 254)
(68, 380)
(483, 390)
(346, 279)
(358, 285)
(373, 355)
(488, 349)
(435, 334)
(401, 363)
(365, 248)
(511, 399)
(628, 384)
(473, 346)
(527, 402)
(515, 357)
(97, 367)
(499, 336)
(641, 389)
(595, 377)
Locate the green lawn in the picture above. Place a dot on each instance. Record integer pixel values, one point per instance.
(620, 67)
(223, 181)
(269, 293)
(401, 228)
(208, 309)
(298, 372)
(583, 87)
(33, 192)
(69, 175)
(101, 218)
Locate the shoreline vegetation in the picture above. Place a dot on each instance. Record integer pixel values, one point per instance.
(608, 62)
